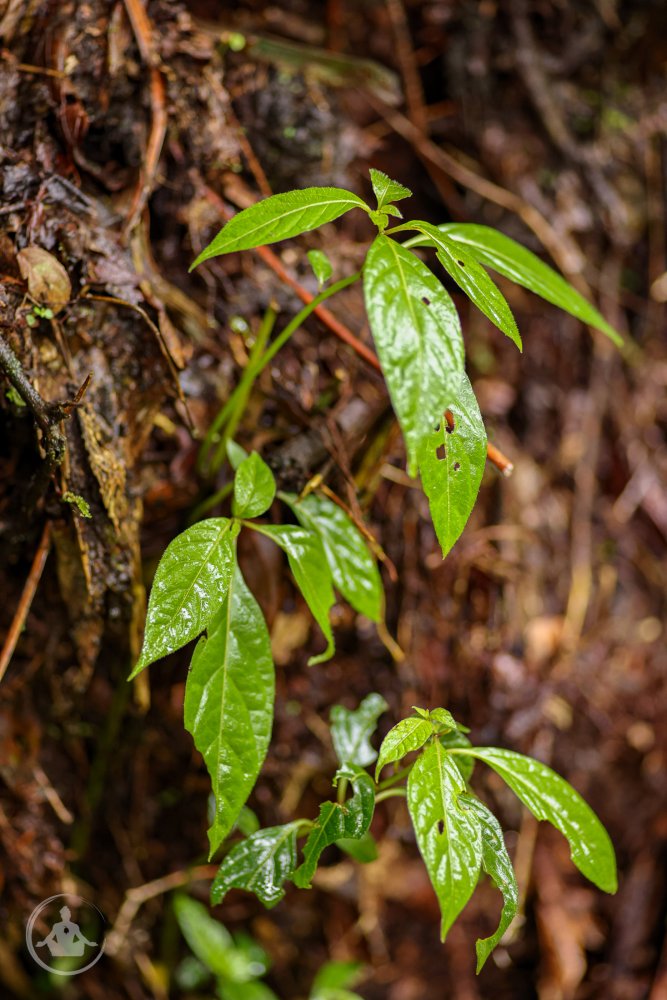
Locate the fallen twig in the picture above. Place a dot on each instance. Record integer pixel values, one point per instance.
(31, 584)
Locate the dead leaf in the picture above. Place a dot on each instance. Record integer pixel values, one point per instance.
(48, 281)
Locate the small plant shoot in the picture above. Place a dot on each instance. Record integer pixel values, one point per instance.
(199, 591)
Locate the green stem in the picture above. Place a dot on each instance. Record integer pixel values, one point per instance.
(388, 782)
(210, 502)
(390, 793)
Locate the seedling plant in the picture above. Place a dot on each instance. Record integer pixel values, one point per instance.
(199, 591)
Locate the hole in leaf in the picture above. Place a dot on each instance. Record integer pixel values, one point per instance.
(441, 826)
(460, 263)
(426, 301)
(441, 453)
(457, 466)
(451, 423)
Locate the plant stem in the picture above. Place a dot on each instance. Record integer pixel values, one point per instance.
(388, 782)
(390, 793)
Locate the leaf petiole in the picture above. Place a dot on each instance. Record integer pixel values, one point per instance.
(390, 793)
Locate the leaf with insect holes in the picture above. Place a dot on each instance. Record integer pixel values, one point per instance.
(386, 190)
(448, 833)
(497, 863)
(261, 863)
(472, 279)
(350, 819)
(549, 797)
(229, 703)
(321, 265)
(353, 568)
(509, 258)
(351, 730)
(280, 217)
(417, 333)
(309, 566)
(190, 585)
(254, 487)
(408, 735)
(451, 460)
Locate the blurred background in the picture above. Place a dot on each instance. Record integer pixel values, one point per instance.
(129, 134)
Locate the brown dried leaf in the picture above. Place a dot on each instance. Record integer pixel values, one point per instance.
(48, 281)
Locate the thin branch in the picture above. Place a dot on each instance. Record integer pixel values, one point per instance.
(31, 584)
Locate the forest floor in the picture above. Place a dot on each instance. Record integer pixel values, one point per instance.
(128, 136)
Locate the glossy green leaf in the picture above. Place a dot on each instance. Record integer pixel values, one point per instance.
(321, 265)
(280, 217)
(229, 703)
(448, 833)
(472, 279)
(261, 864)
(451, 462)
(456, 741)
(209, 940)
(254, 487)
(353, 568)
(236, 454)
(514, 261)
(443, 720)
(190, 584)
(311, 571)
(351, 730)
(386, 190)
(409, 734)
(417, 334)
(549, 797)
(497, 864)
(337, 821)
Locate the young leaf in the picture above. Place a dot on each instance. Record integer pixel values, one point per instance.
(190, 584)
(351, 730)
(472, 279)
(497, 864)
(457, 740)
(409, 734)
(417, 334)
(337, 821)
(261, 864)
(514, 261)
(252, 989)
(280, 217)
(333, 979)
(364, 849)
(236, 454)
(448, 832)
(386, 190)
(451, 461)
(312, 574)
(229, 703)
(321, 266)
(354, 571)
(443, 720)
(210, 940)
(549, 797)
(254, 487)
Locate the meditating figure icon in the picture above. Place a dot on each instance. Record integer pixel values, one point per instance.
(65, 939)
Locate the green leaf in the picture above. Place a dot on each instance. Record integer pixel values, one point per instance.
(451, 462)
(280, 217)
(510, 259)
(455, 741)
(417, 334)
(351, 730)
(191, 581)
(321, 265)
(229, 703)
(337, 821)
(252, 990)
(472, 279)
(353, 568)
(410, 734)
(208, 939)
(333, 979)
(549, 797)
(443, 720)
(364, 850)
(236, 454)
(254, 487)
(386, 190)
(448, 833)
(261, 864)
(497, 864)
(311, 571)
